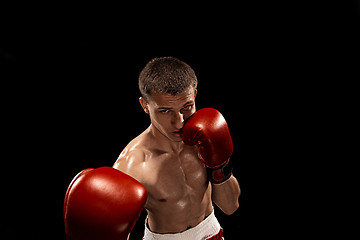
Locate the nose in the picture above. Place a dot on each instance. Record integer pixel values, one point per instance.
(178, 121)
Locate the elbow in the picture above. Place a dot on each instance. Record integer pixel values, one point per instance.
(231, 209)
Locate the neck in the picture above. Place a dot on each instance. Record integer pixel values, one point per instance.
(164, 142)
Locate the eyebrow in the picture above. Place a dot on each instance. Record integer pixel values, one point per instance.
(168, 108)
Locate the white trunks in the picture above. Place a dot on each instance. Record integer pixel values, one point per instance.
(208, 228)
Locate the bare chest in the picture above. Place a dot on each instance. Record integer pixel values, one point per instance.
(177, 178)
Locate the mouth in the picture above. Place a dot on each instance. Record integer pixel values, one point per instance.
(177, 133)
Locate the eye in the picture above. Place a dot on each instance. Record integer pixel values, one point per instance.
(188, 107)
(164, 111)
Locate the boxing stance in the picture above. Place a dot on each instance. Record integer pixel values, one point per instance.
(182, 161)
(182, 158)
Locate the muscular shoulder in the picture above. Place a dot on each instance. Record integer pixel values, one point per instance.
(133, 158)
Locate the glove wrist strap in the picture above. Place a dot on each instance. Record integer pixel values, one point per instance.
(220, 175)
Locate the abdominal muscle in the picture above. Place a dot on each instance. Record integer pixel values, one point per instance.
(179, 195)
(176, 217)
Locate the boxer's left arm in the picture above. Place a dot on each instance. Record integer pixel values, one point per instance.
(208, 130)
(225, 195)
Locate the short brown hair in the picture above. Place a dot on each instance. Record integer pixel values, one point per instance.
(166, 75)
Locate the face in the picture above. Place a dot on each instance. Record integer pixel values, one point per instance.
(168, 113)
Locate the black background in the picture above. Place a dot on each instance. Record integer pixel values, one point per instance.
(70, 100)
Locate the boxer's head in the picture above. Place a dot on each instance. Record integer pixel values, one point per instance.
(168, 89)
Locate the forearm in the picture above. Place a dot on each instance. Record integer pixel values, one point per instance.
(226, 195)
(208, 130)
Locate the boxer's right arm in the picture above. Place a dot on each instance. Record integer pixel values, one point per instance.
(102, 204)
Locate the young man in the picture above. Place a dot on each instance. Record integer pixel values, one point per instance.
(176, 174)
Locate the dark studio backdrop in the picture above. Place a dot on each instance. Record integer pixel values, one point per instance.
(70, 99)
(74, 105)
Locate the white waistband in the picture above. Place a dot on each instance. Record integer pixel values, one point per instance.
(204, 230)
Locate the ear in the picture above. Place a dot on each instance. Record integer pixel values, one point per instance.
(144, 105)
(195, 93)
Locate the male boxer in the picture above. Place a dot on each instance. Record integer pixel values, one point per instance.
(182, 158)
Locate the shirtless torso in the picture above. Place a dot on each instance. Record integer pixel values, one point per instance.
(177, 182)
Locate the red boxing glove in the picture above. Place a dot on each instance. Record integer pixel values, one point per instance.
(102, 203)
(208, 130)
